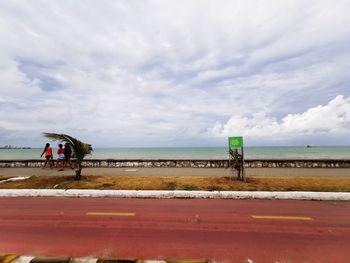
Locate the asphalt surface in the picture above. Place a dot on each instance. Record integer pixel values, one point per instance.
(223, 230)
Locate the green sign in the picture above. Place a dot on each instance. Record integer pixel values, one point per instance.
(235, 142)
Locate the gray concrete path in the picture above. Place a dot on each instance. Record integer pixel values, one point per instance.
(135, 171)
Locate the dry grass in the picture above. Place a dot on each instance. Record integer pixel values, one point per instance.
(210, 183)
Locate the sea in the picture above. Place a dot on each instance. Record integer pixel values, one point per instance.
(276, 152)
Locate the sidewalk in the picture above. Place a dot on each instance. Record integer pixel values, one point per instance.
(179, 171)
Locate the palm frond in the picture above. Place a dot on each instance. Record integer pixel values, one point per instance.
(80, 148)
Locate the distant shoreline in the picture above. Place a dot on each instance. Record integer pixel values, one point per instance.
(15, 148)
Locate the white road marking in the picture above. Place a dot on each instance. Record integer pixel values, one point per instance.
(109, 214)
(281, 217)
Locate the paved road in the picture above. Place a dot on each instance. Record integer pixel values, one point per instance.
(225, 230)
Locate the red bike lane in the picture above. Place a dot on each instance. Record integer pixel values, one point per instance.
(222, 230)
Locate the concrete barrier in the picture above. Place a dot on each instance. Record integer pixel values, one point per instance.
(162, 194)
(250, 163)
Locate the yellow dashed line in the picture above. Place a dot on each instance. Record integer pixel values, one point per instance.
(282, 217)
(109, 214)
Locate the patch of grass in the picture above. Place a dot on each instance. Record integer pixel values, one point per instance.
(189, 187)
(170, 186)
(214, 188)
(106, 186)
(290, 189)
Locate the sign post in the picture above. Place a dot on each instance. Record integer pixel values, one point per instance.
(236, 155)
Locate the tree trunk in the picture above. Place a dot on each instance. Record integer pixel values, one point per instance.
(78, 171)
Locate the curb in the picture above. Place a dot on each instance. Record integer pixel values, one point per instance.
(13, 258)
(320, 196)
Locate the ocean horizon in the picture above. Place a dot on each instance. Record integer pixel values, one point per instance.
(261, 152)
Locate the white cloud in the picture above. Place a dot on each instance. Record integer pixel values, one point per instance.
(121, 73)
(331, 118)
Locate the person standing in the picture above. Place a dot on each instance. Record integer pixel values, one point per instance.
(48, 156)
(60, 159)
(67, 155)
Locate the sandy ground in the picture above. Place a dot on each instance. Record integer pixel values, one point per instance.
(179, 171)
(204, 179)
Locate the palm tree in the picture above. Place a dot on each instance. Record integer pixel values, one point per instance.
(80, 149)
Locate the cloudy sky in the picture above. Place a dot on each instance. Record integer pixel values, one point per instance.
(175, 73)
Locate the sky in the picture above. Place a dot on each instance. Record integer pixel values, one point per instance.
(175, 73)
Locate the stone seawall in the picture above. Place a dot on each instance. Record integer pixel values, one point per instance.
(112, 163)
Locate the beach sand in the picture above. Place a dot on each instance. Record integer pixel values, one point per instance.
(136, 171)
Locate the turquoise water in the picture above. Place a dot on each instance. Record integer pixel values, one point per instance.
(329, 152)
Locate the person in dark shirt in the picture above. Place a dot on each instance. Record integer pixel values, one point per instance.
(67, 155)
